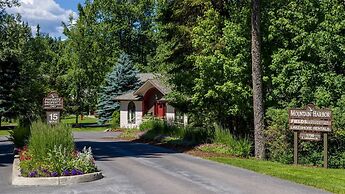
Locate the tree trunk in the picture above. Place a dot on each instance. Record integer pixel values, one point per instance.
(257, 82)
(76, 118)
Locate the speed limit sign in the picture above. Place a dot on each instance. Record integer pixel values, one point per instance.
(53, 117)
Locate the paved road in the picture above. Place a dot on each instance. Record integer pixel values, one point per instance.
(140, 168)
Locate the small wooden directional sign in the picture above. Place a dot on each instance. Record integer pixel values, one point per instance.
(308, 124)
(53, 102)
(310, 136)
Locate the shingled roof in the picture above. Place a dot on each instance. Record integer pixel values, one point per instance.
(145, 78)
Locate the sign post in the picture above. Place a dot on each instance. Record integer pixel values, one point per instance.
(309, 124)
(53, 104)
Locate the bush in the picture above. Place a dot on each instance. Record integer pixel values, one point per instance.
(147, 124)
(279, 139)
(196, 135)
(233, 146)
(19, 136)
(115, 120)
(45, 137)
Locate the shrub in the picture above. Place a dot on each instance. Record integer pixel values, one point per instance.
(147, 124)
(233, 146)
(45, 137)
(196, 135)
(115, 120)
(19, 136)
(279, 138)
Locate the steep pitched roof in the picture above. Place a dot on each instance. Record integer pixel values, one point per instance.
(128, 96)
(148, 80)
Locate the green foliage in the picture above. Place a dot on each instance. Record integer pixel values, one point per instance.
(195, 135)
(147, 124)
(222, 63)
(228, 144)
(115, 120)
(20, 136)
(279, 143)
(339, 114)
(279, 139)
(44, 138)
(120, 80)
(59, 162)
(223, 141)
(304, 55)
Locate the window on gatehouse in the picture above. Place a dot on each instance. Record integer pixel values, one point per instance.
(131, 112)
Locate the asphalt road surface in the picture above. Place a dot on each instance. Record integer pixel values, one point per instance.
(140, 168)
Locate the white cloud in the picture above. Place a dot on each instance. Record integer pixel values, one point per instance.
(47, 13)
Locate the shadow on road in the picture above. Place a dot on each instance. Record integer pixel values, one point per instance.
(111, 149)
(6, 154)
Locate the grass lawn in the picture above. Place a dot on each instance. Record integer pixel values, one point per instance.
(4, 132)
(71, 120)
(332, 180)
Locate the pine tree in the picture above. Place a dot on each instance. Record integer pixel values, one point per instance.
(120, 80)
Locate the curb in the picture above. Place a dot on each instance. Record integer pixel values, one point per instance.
(17, 179)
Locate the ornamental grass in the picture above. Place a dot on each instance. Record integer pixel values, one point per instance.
(51, 152)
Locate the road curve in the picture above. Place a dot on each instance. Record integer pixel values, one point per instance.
(140, 168)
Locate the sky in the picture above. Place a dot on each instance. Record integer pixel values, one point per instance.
(49, 14)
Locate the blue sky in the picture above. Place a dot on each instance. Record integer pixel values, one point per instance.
(49, 14)
(69, 4)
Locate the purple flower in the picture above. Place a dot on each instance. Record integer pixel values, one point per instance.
(45, 171)
(74, 172)
(54, 174)
(65, 173)
(79, 172)
(33, 174)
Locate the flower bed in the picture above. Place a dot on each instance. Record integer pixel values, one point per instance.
(51, 153)
(57, 163)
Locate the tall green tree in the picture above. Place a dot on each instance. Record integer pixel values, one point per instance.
(13, 38)
(121, 79)
(221, 59)
(305, 54)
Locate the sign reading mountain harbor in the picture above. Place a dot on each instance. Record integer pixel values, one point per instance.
(309, 124)
(52, 103)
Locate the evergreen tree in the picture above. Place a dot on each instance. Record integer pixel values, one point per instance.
(120, 80)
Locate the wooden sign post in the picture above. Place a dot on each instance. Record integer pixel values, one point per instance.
(53, 104)
(309, 124)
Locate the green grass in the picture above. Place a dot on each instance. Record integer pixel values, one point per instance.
(71, 119)
(13, 123)
(332, 180)
(4, 132)
(129, 134)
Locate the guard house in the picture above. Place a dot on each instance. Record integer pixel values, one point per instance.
(148, 100)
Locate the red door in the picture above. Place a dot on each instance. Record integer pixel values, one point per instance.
(160, 109)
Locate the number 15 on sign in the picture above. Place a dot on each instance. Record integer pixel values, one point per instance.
(53, 117)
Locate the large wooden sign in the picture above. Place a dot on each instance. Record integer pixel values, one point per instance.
(53, 102)
(309, 124)
(310, 119)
